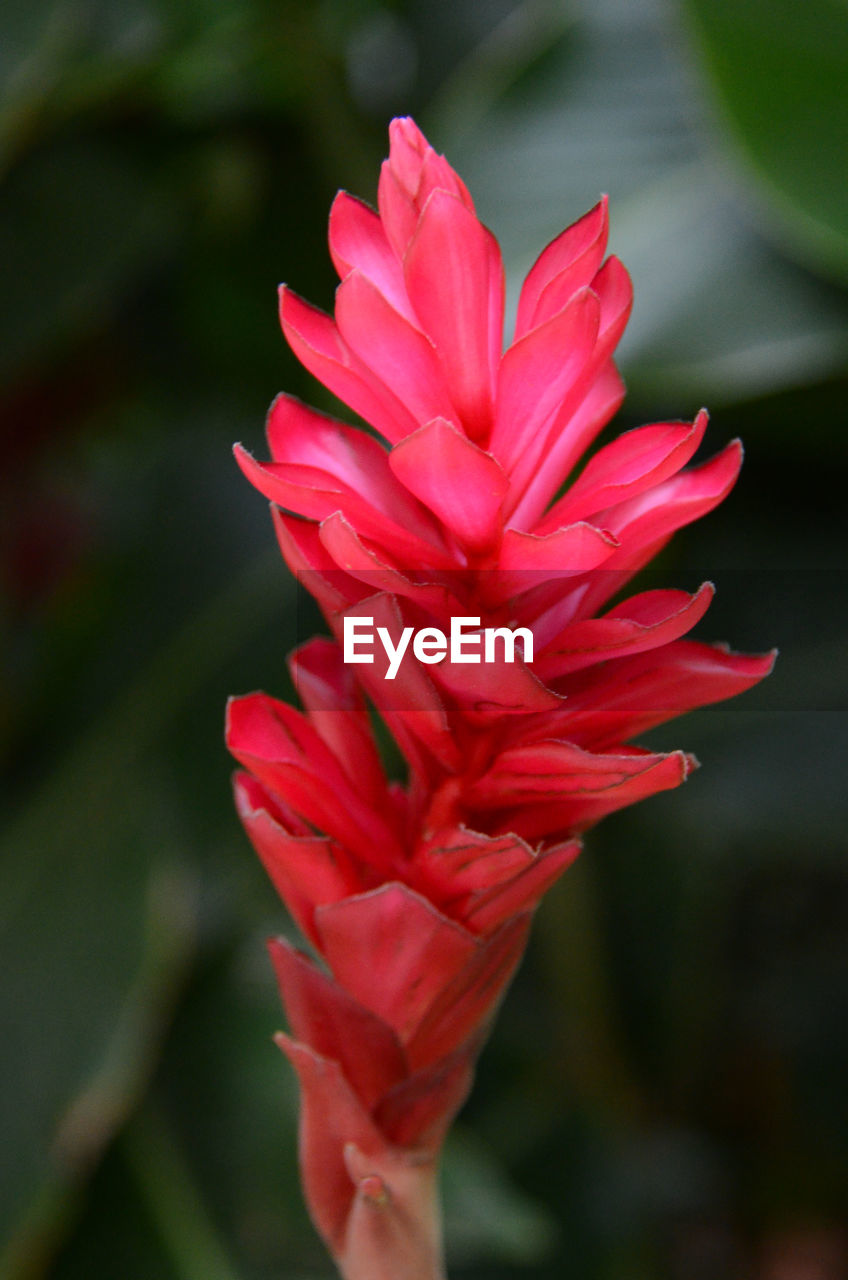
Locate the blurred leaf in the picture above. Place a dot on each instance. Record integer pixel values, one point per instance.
(94, 927)
(780, 70)
(79, 221)
(486, 1216)
(174, 1200)
(105, 945)
(717, 314)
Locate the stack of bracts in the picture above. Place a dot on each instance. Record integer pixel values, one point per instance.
(417, 898)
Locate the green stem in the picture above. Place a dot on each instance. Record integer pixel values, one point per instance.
(174, 1201)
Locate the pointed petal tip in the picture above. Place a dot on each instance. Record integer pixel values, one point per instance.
(283, 1042)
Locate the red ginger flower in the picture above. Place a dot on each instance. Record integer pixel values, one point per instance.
(418, 897)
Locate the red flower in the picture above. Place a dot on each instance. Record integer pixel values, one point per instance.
(418, 897)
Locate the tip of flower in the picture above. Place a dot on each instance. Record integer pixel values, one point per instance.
(769, 658)
(281, 1040)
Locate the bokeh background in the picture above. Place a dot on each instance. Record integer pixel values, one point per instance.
(664, 1097)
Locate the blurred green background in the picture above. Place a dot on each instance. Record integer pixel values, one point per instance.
(664, 1097)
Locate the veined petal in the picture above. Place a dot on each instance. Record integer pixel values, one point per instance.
(527, 560)
(358, 242)
(553, 770)
(306, 870)
(466, 1004)
(457, 861)
(300, 543)
(410, 704)
(335, 705)
(454, 277)
(568, 441)
(634, 694)
(547, 787)
(418, 1111)
(578, 812)
(393, 951)
(537, 373)
(488, 691)
(351, 554)
(644, 622)
(287, 754)
(315, 340)
(301, 436)
(636, 461)
(489, 907)
(455, 479)
(676, 502)
(567, 264)
(395, 350)
(323, 1015)
(332, 1118)
(317, 495)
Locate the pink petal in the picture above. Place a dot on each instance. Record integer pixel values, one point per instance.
(527, 560)
(487, 691)
(614, 288)
(568, 263)
(299, 436)
(317, 495)
(410, 704)
(328, 690)
(554, 786)
(395, 350)
(569, 439)
(636, 461)
(454, 278)
(463, 486)
(315, 340)
(350, 553)
(537, 373)
(488, 908)
(634, 694)
(285, 752)
(331, 1117)
(358, 242)
(676, 502)
(324, 1016)
(644, 622)
(419, 168)
(398, 212)
(393, 951)
(305, 870)
(467, 1004)
(418, 1111)
(300, 543)
(407, 179)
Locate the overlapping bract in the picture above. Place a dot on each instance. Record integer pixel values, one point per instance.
(418, 897)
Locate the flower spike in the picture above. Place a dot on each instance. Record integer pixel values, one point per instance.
(446, 514)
